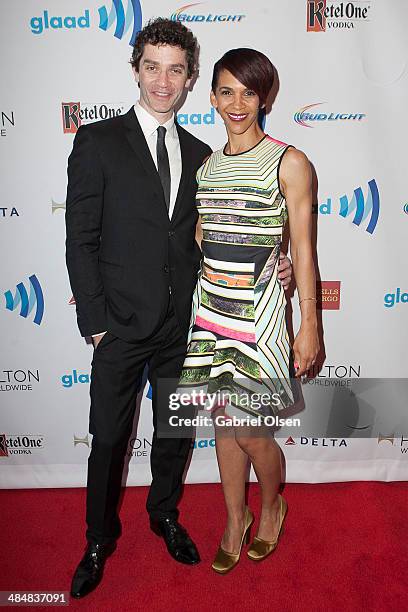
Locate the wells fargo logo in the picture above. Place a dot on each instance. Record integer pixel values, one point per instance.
(328, 295)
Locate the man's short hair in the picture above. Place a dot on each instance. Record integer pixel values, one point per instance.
(162, 31)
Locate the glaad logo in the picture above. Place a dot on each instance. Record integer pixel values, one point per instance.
(361, 207)
(203, 443)
(197, 118)
(36, 300)
(132, 18)
(5, 121)
(73, 379)
(390, 299)
(181, 15)
(303, 115)
(322, 15)
(75, 114)
(45, 22)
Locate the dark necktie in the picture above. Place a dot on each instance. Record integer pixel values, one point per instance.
(163, 165)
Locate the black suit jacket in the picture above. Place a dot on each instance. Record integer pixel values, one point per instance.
(122, 250)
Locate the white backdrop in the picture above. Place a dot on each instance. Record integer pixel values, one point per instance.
(342, 99)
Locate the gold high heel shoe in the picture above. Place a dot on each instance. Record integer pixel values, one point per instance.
(260, 548)
(225, 561)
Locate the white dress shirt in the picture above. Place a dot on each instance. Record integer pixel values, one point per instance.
(149, 125)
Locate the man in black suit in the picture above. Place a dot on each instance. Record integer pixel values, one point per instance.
(133, 260)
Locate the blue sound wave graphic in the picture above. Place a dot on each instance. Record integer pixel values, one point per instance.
(124, 20)
(362, 208)
(36, 298)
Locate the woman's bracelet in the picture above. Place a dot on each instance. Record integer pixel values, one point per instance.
(304, 300)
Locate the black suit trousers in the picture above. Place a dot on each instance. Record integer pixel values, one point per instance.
(117, 369)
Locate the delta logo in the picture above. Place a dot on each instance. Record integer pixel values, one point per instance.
(183, 16)
(328, 295)
(304, 116)
(123, 21)
(323, 15)
(364, 211)
(75, 114)
(325, 442)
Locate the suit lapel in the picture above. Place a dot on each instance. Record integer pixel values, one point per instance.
(137, 141)
(186, 169)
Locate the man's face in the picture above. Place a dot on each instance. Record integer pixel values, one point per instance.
(162, 78)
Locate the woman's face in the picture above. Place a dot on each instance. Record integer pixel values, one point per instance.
(237, 105)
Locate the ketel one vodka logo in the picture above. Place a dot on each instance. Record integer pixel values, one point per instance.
(323, 15)
(75, 114)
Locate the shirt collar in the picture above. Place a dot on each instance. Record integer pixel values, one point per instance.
(149, 124)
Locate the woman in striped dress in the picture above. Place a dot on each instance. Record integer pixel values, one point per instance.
(238, 339)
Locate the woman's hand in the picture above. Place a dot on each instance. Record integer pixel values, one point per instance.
(305, 348)
(199, 232)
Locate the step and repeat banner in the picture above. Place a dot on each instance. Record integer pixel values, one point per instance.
(342, 92)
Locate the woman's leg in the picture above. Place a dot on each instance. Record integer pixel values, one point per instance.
(265, 455)
(233, 464)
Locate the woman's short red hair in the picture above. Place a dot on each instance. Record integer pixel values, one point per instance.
(252, 68)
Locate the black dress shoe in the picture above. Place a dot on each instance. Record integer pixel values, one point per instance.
(89, 572)
(178, 542)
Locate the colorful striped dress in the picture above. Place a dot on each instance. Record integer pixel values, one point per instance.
(238, 339)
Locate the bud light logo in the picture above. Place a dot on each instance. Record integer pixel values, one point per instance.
(27, 302)
(303, 115)
(405, 209)
(129, 20)
(358, 207)
(182, 16)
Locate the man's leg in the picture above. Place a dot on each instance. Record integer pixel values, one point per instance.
(117, 368)
(168, 455)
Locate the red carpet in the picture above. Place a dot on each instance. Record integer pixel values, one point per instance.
(344, 547)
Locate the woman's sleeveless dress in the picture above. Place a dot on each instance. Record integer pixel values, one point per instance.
(238, 339)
